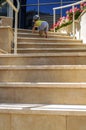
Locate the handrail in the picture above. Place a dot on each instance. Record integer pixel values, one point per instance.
(11, 4)
(69, 5)
(16, 22)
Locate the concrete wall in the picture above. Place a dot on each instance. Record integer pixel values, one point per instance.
(6, 38)
(81, 26)
(23, 118)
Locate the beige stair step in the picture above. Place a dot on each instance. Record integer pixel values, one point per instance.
(43, 73)
(44, 59)
(49, 93)
(50, 45)
(49, 32)
(42, 117)
(34, 35)
(49, 50)
(24, 30)
(48, 40)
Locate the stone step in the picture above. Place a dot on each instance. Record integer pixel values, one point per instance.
(48, 40)
(50, 45)
(36, 32)
(43, 73)
(49, 50)
(36, 35)
(42, 117)
(24, 30)
(43, 93)
(44, 59)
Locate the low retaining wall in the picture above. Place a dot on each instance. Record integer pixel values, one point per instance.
(6, 21)
(81, 26)
(6, 38)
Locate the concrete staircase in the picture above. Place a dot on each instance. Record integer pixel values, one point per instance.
(43, 87)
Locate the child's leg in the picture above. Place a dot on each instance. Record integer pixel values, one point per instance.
(46, 34)
(43, 29)
(46, 29)
(41, 32)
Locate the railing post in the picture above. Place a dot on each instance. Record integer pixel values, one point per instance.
(16, 22)
(15, 34)
(73, 28)
(38, 7)
(54, 18)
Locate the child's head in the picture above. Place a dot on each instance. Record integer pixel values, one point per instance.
(36, 17)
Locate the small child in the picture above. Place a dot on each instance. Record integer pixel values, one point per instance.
(41, 25)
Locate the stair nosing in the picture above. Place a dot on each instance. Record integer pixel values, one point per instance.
(60, 85)
(42, 67)
(44, 109)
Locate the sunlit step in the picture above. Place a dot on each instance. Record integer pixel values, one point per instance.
(49, 92)
(50, 45)
(44, 116)
(48, 40)
(36, 35)
(43, 73)
(49, 50)
(70, 58)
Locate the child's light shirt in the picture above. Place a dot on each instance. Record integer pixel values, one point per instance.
(38, 23)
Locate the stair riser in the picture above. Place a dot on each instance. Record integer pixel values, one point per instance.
(13, 121)
(23, 45)
(43, 95)
(43, 60)
(36, 32)
(19, 121)
(24, 31)
(45, 40)
(48, 51)
(37, 36)
(42, 75)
